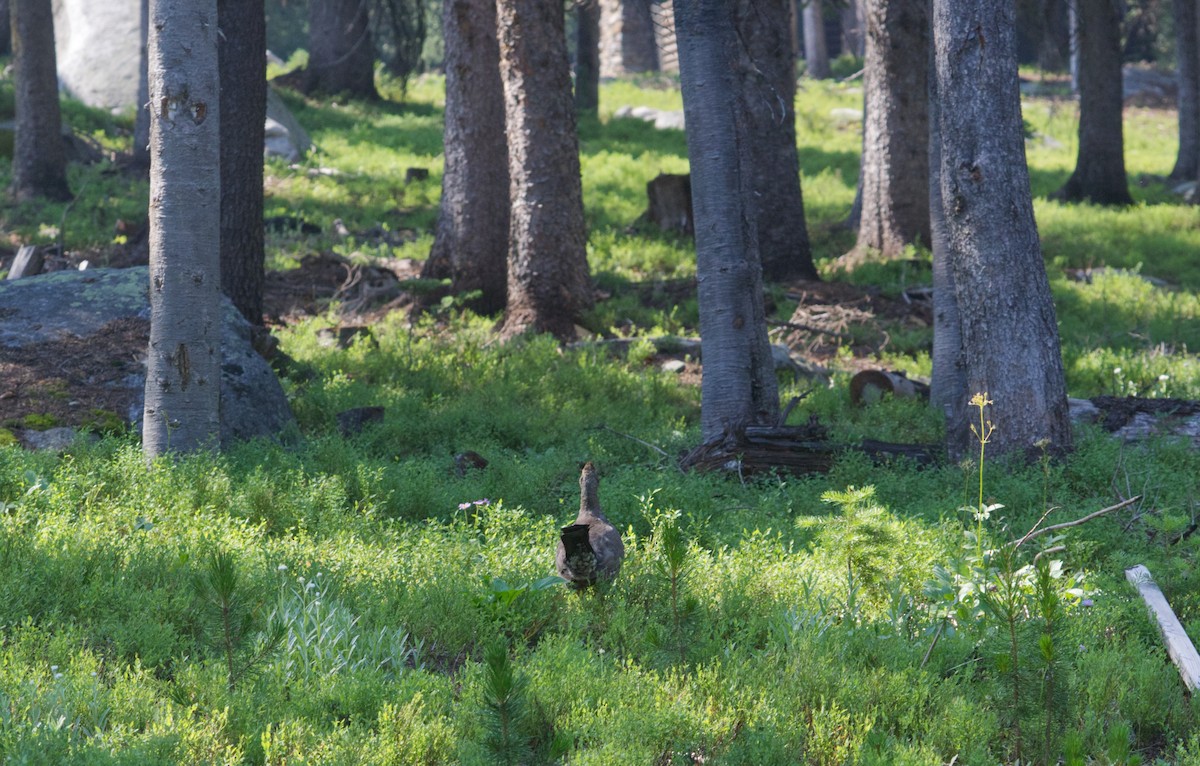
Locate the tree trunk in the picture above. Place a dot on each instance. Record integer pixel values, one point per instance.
(341, 55)
(242, 53)
(627, 44)
(1009, 334)
(549, 286)
(816, 54)
(183, 375)
(587, 55)
(854, 28)
(471, 242)
(39, 160)
(662, 12)
(739, 386)
(948, 383)
(768, 82)
(1054, 49)
(5, 29)
(1099, 175)
(1187, 54)
(895, 160)
(141, 125)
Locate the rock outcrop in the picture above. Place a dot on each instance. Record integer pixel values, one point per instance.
(100, 319)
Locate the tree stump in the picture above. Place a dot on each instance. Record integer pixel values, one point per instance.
(670, 198)
(29, 261)
(869, 386)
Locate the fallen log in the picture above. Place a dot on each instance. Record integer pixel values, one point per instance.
(798, 449)
(1134, 418)
(869, 386)
(1179, 647)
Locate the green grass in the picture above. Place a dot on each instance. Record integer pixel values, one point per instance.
(804, 623)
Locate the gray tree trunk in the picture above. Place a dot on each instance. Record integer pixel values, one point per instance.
(769, 91)
(739, 385)
(341, 54)
(39, 161)
(470, 246)
(242, 55)
(1073, 45)
(816, 54)
(663, 14)
(854, 38)
(183, 375)
(627, 43)
(895, 159)
(587, 55)
(1054, 49)
(549, 286)
(1009, 334)
(1187, 56)
(1099, 175)
(948, 383)
(141, 126)
(5, 29)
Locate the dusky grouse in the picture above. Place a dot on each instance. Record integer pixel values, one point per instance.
(590, 549)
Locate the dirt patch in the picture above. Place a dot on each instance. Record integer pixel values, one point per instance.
(832, 315)
(72, 379)
(325, 278)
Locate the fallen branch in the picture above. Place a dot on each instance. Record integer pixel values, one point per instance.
(799, 449)
(1179, 646)
(656, 448)
(1055, 527)
(805, 328)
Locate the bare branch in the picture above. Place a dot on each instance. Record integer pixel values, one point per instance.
(1077, 522)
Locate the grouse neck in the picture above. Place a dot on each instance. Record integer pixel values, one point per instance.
(589, 494)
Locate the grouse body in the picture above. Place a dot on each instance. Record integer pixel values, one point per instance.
(591, 549)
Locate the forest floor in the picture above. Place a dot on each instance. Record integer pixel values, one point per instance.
(71, 379)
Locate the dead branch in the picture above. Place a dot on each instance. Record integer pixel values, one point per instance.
(1076, 522)
(804, 328)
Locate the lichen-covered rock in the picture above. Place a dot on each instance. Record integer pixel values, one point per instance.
(73, 305)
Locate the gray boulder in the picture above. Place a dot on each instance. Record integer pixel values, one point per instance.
(75, 305)
(98, 46)
(284, 136)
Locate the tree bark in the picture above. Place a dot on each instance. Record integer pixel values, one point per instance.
(587, 55)
(5, 29)
(183, 375)
(627, 44)
(1054, 49)
(242, 54)
(39, 159)
(341, 56)
(1006, 315)
(141, 126)
(739, 386)
(895, 160)
(769, 88)
(470, 245)
(948, 382)
(816, 54)
(854, 28)
(1099, 175)
(1187, 56)
(549, 286)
